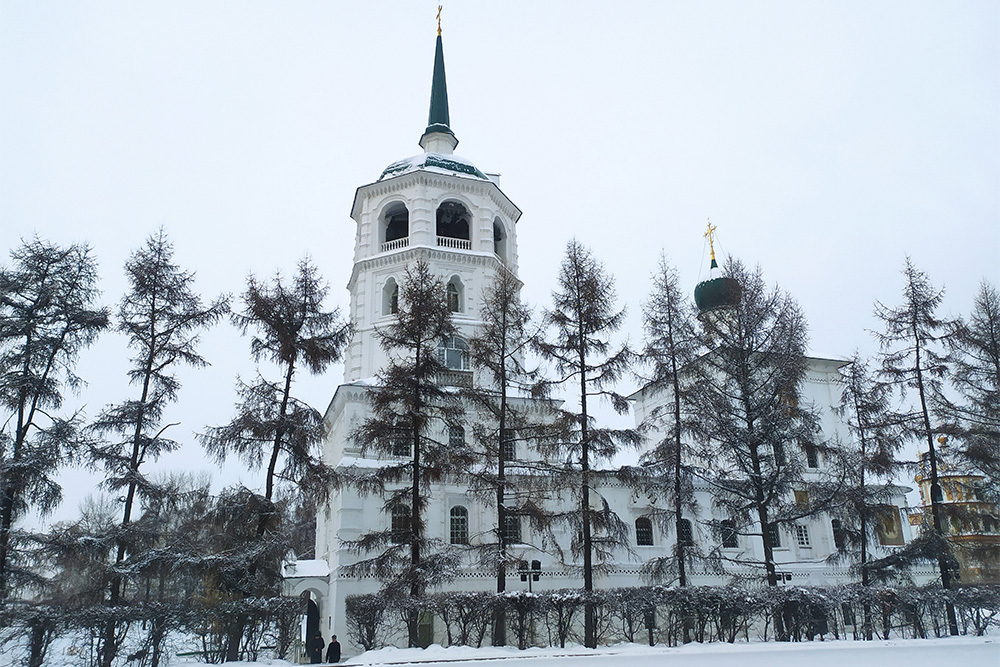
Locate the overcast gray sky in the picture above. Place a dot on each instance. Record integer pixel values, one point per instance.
(825, 140)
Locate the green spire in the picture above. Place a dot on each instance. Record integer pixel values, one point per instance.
(437, 119)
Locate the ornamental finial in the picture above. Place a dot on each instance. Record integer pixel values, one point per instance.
(710, 235)
(439, 20)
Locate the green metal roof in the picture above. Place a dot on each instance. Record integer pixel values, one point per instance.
(437, 119)
(432, 160)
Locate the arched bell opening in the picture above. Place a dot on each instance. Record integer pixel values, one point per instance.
(394, 227)
(453, 225)
(499, 241)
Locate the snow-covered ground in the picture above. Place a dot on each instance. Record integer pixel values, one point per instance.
(960, 651)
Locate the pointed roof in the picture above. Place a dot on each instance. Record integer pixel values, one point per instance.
(438, 122)
(438, 115)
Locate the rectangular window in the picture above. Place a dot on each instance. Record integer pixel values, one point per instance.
(401, 441)
(685, 535)
(508, 444)
(802, 535)
(730, 540)
(643, 532)
(512, 529)
(839, 535)
(812, 456)
(774, 536)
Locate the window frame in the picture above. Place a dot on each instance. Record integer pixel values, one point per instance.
(400, 525)
(458, 524)
(643, 532)
(685, 533)
(730, 538)
(454, 344)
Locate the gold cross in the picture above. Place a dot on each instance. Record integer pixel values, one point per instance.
(439, 20)
(710, 234)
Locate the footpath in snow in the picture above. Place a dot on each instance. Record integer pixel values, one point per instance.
(960, 651)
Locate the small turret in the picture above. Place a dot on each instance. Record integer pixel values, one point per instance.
(718, 291)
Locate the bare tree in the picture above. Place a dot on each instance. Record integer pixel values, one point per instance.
(161, 317)
(582, 321)
(48, 316)
(912, 360)
(975, 418)
(672, 346)
(750, 419)
(291, 330)
(409, 407)
(498, 351)
(870, 465)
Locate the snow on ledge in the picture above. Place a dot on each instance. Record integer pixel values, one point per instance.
(300, 569)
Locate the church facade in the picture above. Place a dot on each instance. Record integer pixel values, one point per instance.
(440, 208)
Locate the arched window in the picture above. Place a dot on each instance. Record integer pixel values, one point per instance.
(459, 525)
(453, 220)
(395, 224)
(512, 529)
(453, 353)
(684, 534)
(456, 295)
(508, 445)
(456, 437)
(390, 297)
(730, 540)
(499, 240)
(643, 532)
(400, 523)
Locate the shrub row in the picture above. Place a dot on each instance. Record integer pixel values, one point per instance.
(670, 615)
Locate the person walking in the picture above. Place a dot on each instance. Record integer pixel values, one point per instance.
(333, 650)
(315, 648)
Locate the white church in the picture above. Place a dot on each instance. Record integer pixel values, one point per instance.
(439, 207)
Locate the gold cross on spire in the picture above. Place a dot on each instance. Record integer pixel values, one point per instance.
(710, 234)
(439, 20)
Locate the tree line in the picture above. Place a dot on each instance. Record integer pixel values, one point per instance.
(162, 557)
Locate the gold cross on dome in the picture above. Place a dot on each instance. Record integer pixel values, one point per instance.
(710, 234)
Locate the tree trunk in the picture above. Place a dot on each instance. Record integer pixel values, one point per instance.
(943, 565)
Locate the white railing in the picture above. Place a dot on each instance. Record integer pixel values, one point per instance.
(457, 244)
(396, 245)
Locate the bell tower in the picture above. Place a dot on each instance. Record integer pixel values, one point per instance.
(434, 206)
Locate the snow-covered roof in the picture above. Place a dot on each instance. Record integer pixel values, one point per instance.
(436, 162)
(305, 568)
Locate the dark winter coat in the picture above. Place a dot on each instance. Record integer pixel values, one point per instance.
(333, 652)
(315, 647)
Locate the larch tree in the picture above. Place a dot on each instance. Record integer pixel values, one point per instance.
(581, 323)
(291, 330)
(914, 360)
(975, 418)
(870, 465)
(498, 351)
(672, 345)
(161, 318)
(412, 416)
(48, 315)
(752, 424)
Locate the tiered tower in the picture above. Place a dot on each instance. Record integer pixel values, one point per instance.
(434, 206)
